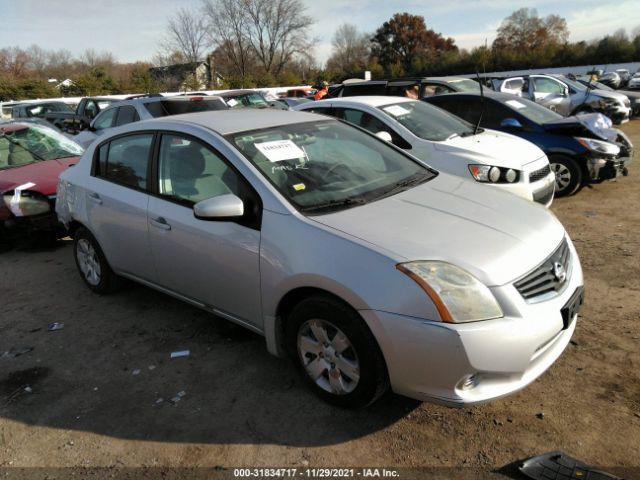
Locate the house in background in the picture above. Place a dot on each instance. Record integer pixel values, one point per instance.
(188, 76)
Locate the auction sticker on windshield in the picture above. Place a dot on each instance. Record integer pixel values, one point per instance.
(280, 150)
(396, 110)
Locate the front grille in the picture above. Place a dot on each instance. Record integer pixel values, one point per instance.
(547, 277)
(539, 174)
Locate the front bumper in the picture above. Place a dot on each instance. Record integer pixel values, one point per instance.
(430, 360)
(537, 183)
(607, 168)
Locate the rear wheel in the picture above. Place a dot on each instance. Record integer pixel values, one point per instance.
(568, 175)
(92, 264)
(336, 352)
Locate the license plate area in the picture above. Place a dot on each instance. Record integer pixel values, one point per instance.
(572, 307)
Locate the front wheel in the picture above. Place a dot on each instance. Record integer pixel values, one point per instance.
(568, 175)
(336, 352)
(92, 264)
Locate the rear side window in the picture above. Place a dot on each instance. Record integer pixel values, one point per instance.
(127, 114)
(184, 105)
(125, 160)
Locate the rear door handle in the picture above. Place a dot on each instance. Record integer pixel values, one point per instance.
(95, 198)
(160, 222)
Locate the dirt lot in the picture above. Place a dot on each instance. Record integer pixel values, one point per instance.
(90, 407)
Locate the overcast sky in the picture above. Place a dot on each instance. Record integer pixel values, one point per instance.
(132, 29)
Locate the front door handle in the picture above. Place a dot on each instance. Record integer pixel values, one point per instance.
(95, 198)
(160, 222)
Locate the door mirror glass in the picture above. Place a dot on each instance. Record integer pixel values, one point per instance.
(511, 124)
(221, 207)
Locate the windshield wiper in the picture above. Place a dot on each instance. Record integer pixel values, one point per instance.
(335, 204)
(405, 184)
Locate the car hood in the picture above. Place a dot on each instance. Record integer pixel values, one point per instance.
(494, 235)
(607, 94)
(592, 125)
(493, 148)
(44, 175)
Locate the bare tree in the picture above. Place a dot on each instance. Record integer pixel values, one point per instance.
(228, 26)
(351, 49)
(187, 34)
(274, 32)
(278, 31)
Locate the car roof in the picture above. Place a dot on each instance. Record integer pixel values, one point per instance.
(370, 100)
(448, 78)
(225, 122)
(499, 96)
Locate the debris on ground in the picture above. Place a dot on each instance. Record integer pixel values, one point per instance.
(135, 371)
(560, 466)
(540, 415)
(16, 352)
(52, 327)
(181, 353)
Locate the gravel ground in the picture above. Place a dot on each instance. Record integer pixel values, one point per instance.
(103, 391)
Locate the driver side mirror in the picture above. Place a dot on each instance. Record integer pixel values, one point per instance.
(511, 124)
(386, 136)
(222, 207)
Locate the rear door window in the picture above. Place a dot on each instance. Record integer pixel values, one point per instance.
(127, 114)
(125, 160)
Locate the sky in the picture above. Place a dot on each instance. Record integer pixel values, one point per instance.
(133, 29)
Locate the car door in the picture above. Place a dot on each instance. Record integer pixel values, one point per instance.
(215, 263)
(551, 93)
(117, 199)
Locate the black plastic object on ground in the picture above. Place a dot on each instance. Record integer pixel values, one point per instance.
(560, 466)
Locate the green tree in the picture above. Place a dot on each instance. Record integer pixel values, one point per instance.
(404, 44)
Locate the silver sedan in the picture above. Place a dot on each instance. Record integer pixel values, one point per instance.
(367, 267)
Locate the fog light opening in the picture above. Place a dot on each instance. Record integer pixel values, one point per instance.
(468, 382)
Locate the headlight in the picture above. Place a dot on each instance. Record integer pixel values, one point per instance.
(599, 146)
(458, 295)
(26, 203)
(490, 174)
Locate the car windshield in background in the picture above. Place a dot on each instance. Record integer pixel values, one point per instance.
(252, 100)
(531, 110)
(326, 165)
(426, 121)
(576, 85)
(34, 143)
(465, 85)
(184, 105)
(42, 109)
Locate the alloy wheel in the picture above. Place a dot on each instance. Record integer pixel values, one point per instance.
(88, 262)
(563, 176)
(328, 357)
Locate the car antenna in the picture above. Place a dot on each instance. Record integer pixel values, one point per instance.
(475, 130)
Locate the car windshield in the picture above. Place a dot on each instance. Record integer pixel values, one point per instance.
(254, 100)
(465, 85)
(325, 166)
(34, 143)
(576, 85)
(532, 111)
(427, 121)
(41, 109)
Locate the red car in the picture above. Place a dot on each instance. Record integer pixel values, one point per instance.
(31, 159)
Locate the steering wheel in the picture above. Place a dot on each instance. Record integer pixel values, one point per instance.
(334, 171)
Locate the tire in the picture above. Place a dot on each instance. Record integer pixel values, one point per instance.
(92, 264)
(349, 369)
(568, 175)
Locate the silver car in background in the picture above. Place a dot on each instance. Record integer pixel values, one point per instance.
(369, 268)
